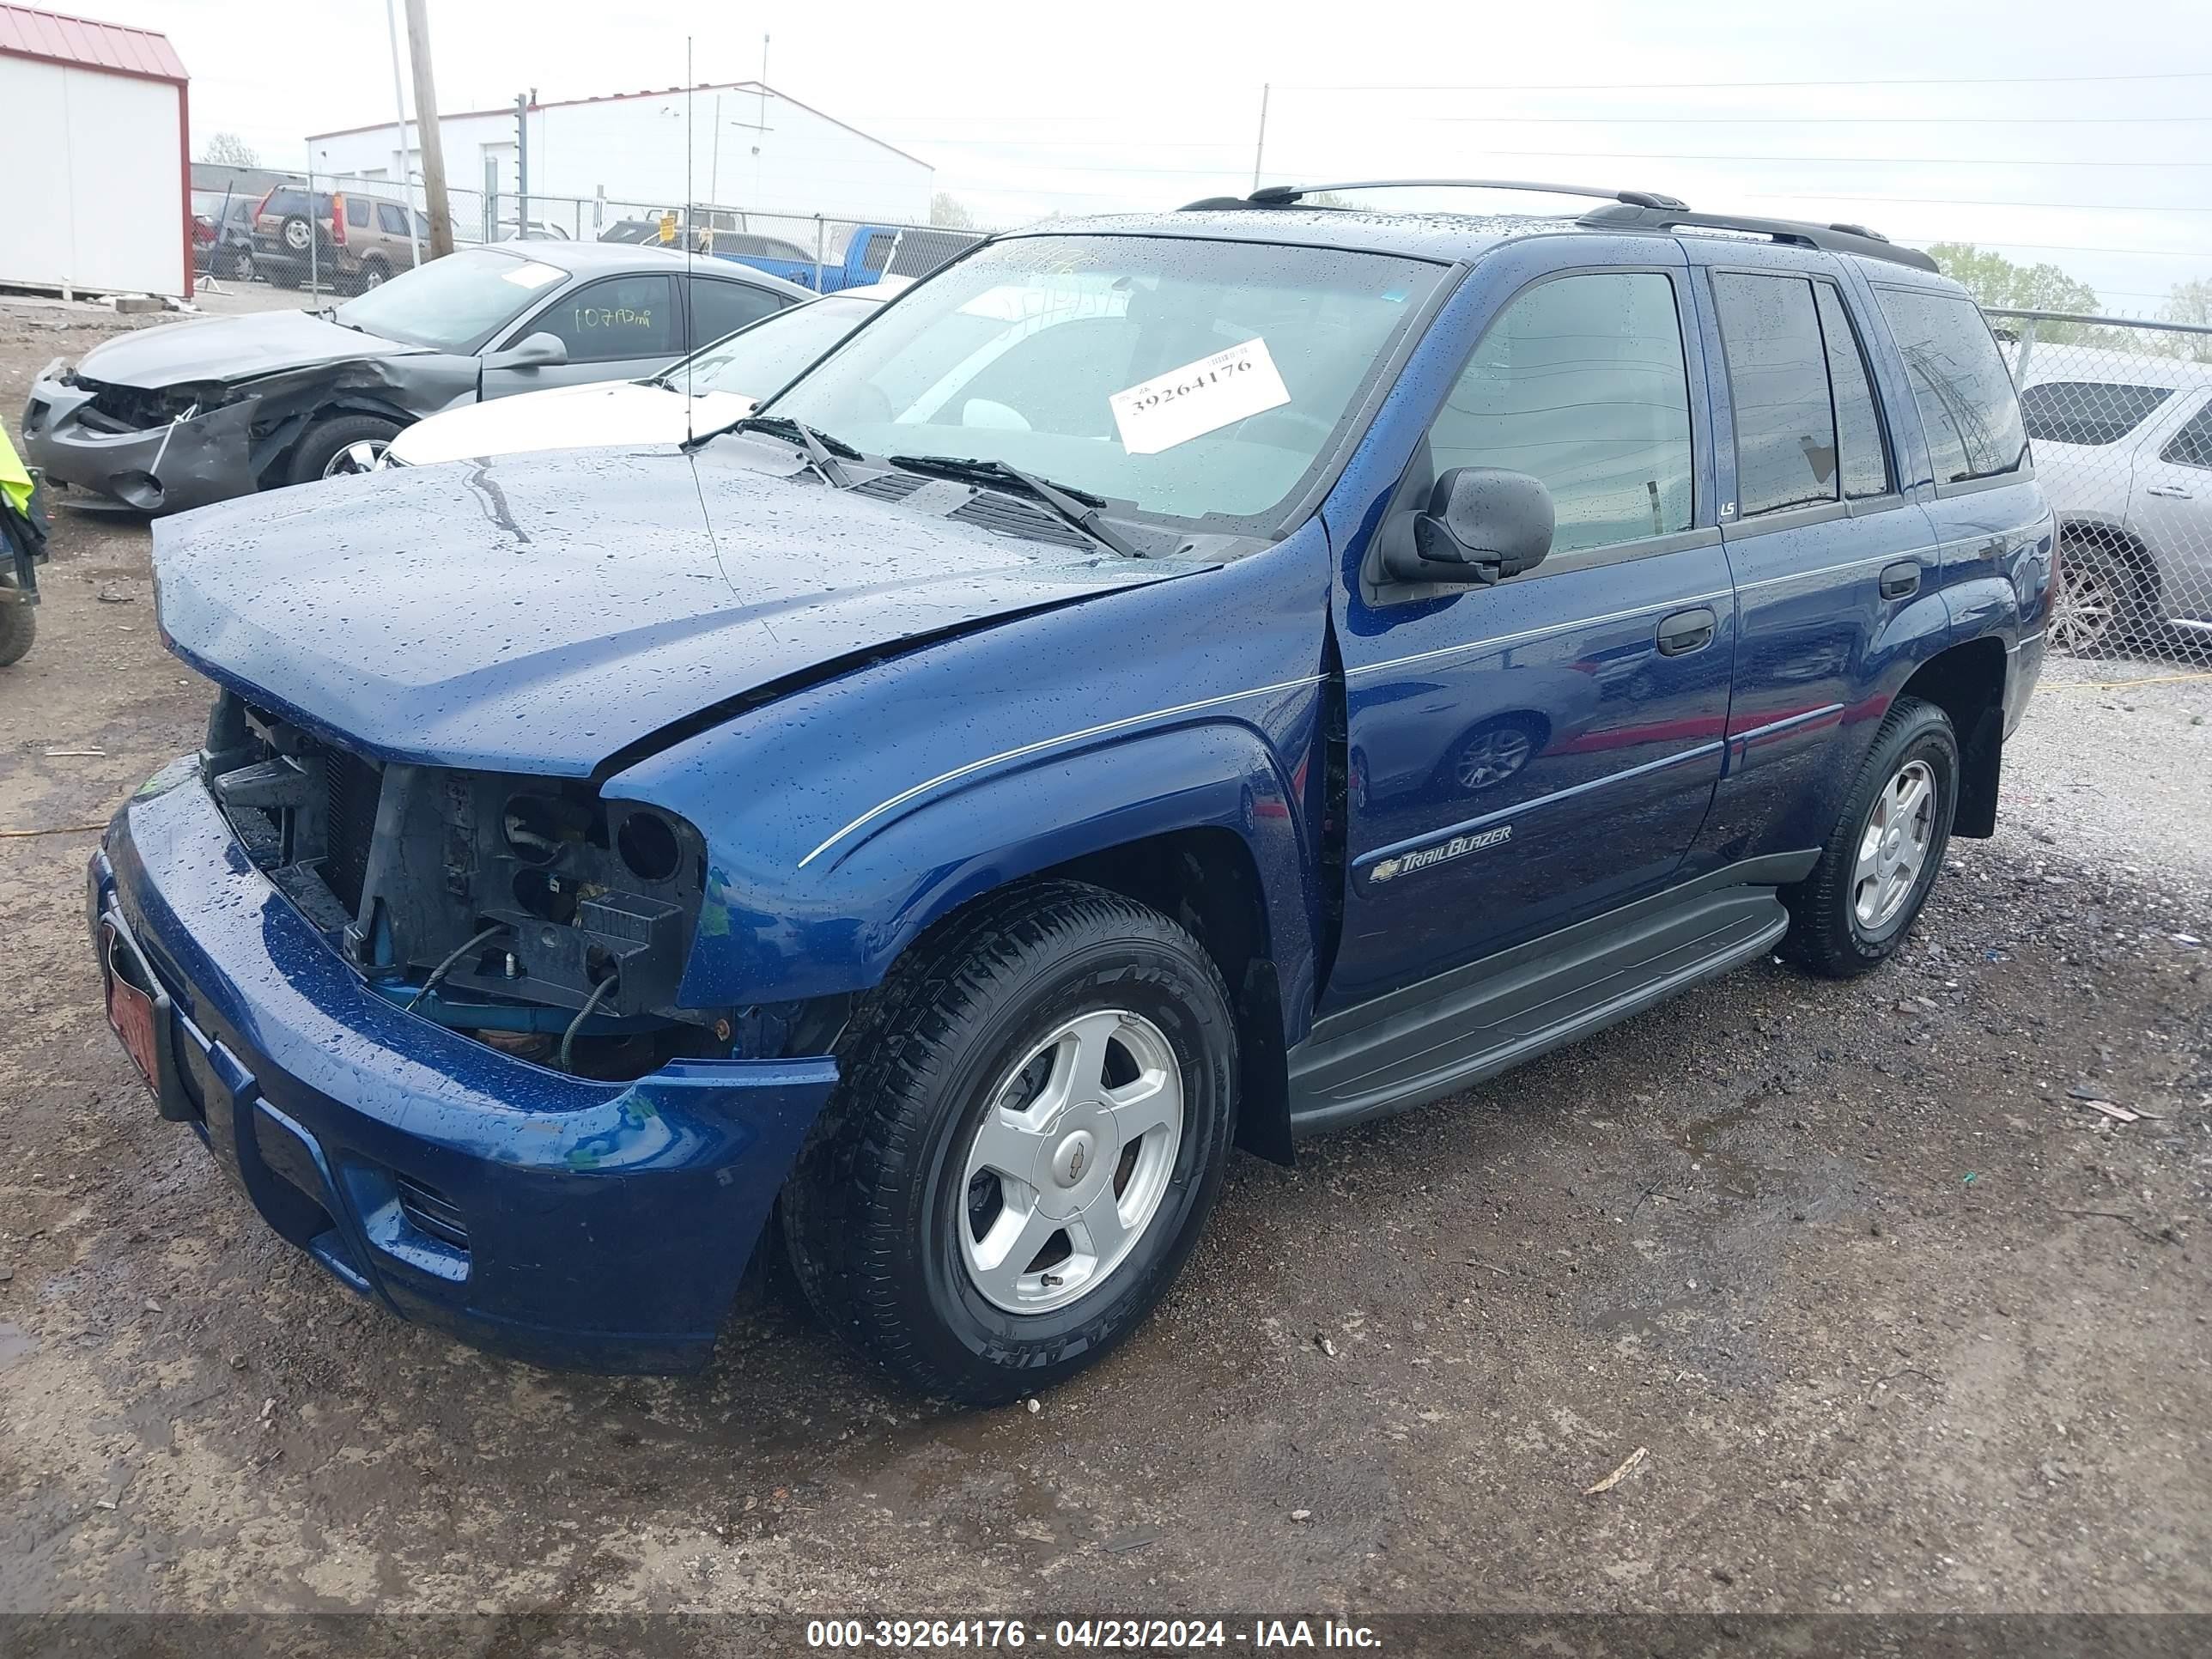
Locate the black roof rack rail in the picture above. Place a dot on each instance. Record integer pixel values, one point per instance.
(1800, 233)
(1288, 195)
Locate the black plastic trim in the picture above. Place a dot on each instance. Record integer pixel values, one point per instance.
(1424, 1041)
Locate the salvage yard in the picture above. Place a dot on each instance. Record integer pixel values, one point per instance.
(1901, 1287)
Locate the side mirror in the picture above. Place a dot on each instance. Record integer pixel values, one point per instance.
(1483, 524)
(540, 351)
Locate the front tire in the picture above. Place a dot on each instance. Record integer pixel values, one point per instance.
(1033, 1117)
(340, 447)
(1849, 915)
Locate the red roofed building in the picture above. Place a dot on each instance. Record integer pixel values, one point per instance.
(100, 180)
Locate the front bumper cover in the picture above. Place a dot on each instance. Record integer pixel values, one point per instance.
(162, 469)
(570, 1223)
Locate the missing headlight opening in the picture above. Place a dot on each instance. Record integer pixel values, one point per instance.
(527, 913)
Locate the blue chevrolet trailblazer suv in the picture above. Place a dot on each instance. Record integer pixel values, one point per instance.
(1166, 683)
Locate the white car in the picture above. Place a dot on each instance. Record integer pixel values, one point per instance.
(714, 386)
(2123, 450)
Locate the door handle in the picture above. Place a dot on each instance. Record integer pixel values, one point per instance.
(2172, 492)
(1687, 631)
(1900, 581)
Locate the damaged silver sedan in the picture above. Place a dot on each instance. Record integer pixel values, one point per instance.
(173, 418)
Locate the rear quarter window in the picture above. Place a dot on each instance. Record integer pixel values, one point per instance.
(1965, 400)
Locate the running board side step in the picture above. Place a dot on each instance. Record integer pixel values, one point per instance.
(1417, 1045)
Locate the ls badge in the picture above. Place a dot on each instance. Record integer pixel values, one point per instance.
(1458, 847)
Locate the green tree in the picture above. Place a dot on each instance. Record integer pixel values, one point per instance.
(947, 210)
(2189, 302)
(228, 150)
(1995, 281)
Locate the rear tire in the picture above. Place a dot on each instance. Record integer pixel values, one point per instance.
(340, 446)
(374, 273)
(1883, 857)
(18, 626)
(976, 1055)
(2103, 603)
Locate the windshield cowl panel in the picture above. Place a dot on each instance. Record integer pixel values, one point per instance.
(1175, 378)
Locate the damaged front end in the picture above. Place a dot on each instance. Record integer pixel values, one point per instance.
(524, 911)
(174, 446)
(158, 451)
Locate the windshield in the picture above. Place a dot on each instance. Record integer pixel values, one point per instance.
(451, 303)
(1185, 378)
(761, 357)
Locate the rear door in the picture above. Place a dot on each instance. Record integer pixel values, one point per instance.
(2170, 508)
(1834, 564)
(618, 328)
(720, 306)
(1525, 755)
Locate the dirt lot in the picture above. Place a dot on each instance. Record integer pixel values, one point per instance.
(1902, 1323)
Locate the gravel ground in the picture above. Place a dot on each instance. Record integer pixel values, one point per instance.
(2116, 768)
(1900, 1321)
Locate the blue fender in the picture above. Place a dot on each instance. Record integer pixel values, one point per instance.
(843, 818)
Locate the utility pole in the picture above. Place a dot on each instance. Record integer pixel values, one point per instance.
(426, 131)
(399, 111)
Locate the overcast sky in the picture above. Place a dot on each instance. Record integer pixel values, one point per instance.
(1968, 123)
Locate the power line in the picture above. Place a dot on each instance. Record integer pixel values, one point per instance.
(1033, 145)
(1962, 201)
(1678, 86)
(1817, 120)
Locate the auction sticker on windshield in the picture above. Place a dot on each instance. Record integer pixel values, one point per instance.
(1198, 397)
(534, 275)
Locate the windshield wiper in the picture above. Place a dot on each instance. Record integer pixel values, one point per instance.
(821, 450)
(1078, 507)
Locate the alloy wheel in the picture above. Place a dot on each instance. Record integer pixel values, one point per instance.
(1491, 757)
(1893, 847)
(1067, 1170)
(2082, 610)
(360, 457)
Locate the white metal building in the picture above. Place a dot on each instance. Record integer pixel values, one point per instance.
(750, 146)
(107, 207)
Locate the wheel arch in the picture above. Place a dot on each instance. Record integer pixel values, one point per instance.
(1966, 680)
(1199, 822)
(2113, 535)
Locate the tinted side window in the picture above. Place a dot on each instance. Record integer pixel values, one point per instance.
(622, 317)
(2192, 445)
(1959, 381)
(1777, 369)
(1580, 382)
(2086, 411)
(1858, 423)
(357, 214)
(718, 307)
(392, 218)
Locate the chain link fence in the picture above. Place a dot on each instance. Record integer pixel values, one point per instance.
(2120, 415)
(821, 252)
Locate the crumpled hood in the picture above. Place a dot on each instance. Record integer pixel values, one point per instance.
(231, 350)
(541, 614)
(566, 418)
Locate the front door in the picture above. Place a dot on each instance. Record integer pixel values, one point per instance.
(2170, 507)
(1525, 755)
(619, 328)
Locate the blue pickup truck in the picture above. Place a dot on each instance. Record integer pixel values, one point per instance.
(1168, 683)
(870, 253)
